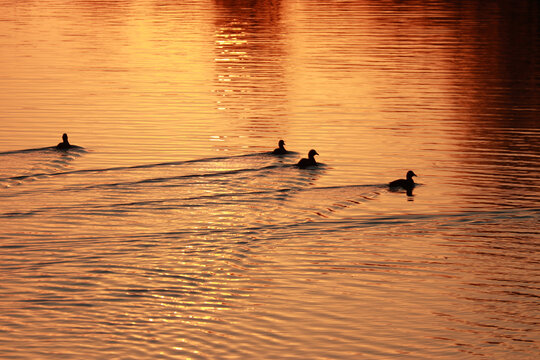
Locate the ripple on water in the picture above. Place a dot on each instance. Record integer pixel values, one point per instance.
(175, 234)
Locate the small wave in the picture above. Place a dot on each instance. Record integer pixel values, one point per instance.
(288, 154)
(189, 176)
(291, 200)
(30, 164)
(25, 151)
(352, 223)
(121, 168)
(74, 148)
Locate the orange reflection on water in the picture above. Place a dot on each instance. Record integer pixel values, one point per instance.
(175, 230)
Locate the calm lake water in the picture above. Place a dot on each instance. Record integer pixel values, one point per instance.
(172, 233)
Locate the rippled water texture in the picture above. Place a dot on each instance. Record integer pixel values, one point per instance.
(173, 232)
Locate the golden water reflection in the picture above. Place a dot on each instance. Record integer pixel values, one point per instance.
(173, 230)
(251, 84)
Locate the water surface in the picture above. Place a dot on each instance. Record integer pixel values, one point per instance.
(174, 233)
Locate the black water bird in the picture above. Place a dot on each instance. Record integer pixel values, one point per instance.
(64, 145)
(406, 184)
(310, 161)
(281, 149)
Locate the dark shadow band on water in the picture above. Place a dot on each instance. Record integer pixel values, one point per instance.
(25, 151)
(120, 168)
(317, 170)
(351, 224)
(374, 221)
(117, 206)
(234, 194)
(75, 148)
(287, 154)
(359, 223)
(400, 190)
(189, 176)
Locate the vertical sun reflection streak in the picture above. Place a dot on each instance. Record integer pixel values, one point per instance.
(249, 61)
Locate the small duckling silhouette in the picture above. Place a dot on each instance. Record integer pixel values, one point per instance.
(281, 149)
(64, 145)
(310, 161)
(406, 184)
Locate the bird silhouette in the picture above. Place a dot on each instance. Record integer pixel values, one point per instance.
(64, 145)
(281, 149)
(310, 161)
(407, 184)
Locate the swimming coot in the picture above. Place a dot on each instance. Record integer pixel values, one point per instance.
(64, 145)
(310, 161)
(407, 184)
(281, 149)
